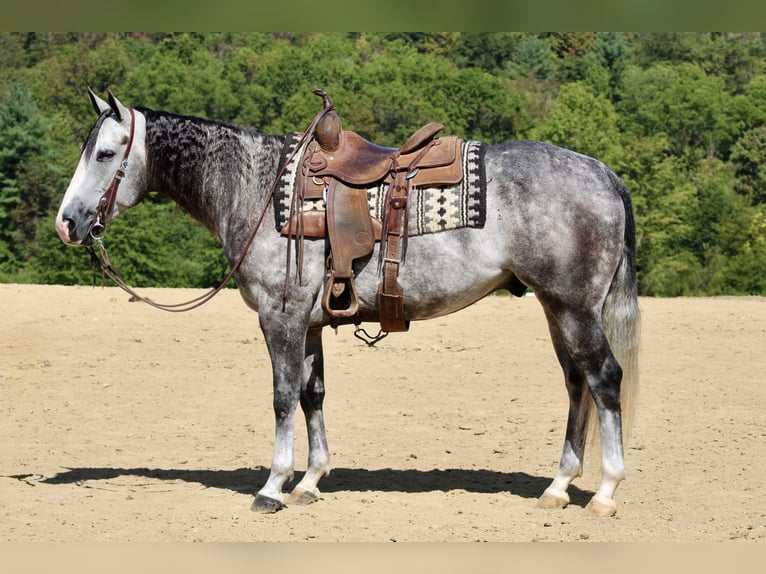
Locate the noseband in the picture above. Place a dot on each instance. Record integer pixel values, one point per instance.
(107, 200)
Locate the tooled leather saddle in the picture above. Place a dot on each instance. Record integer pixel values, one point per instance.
(339, 166)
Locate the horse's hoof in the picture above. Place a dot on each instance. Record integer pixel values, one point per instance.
(553, 499)
(303, 497)
(602, 506)
(266, 505)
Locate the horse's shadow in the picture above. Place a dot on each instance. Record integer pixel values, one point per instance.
(246, 480)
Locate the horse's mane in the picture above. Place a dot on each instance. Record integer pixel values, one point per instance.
(195, 120)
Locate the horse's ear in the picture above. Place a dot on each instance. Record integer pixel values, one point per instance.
(118, 109)
(98, 104)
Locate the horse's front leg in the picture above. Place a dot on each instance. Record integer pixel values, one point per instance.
(312, 397)
(286, 340)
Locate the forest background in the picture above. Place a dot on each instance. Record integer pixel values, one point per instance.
(681, 117)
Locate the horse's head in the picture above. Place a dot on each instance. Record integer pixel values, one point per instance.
(110, 176)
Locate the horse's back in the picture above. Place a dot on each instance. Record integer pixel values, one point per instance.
(533, 170)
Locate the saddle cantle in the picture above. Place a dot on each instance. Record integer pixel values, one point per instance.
(339, 166)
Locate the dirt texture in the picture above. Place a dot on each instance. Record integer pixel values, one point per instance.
(120, 422)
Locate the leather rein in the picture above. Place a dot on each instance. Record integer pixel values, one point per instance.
(106, 203)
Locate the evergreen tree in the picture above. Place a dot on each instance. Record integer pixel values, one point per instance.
(25, 156)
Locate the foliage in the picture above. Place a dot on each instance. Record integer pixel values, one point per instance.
(681, 117)
(749, 159)
(582, 121)
(28, 173)
(683, 102)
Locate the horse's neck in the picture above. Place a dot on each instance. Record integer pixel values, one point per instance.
(210, 169)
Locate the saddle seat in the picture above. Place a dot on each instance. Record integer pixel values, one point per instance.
(357, 161)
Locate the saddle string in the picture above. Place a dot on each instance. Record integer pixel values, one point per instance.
(296, 205)
(109, 270)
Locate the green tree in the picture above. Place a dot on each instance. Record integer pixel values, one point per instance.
(735, 56)
(59, 82)
(26, 161)
(489, 51)
(662, 194)
(749, 159)
(254, 104)
(291, 72)
(582, 121)
(12, 53)
(745, 270)
(657, 47)
(682, 102)
(181, 76)
(532, 57)
(572, 49)
(400, 90)
(609, 59)
(752, 108)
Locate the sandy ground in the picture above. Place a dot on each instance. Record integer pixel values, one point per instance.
(120, 422)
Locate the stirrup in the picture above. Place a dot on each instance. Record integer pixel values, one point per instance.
(333, 293)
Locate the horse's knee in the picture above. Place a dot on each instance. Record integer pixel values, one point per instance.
(283, 411)
(312, 398)
(605, 385)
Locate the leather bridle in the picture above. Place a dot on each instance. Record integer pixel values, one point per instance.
(107, 200)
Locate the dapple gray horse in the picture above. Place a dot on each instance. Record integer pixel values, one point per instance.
(557, 222)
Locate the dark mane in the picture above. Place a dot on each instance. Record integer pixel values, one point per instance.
(203, 164)
(193, 120)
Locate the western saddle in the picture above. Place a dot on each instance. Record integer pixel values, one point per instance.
(339, 166)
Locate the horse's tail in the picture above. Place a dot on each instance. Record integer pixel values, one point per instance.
(621, 317)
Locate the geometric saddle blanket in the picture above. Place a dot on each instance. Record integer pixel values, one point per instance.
(431, 209)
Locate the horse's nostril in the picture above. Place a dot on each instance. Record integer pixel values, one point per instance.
(66, 229)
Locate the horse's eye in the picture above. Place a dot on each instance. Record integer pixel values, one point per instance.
(104, 155)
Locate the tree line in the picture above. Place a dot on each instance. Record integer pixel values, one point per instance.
(681, 117)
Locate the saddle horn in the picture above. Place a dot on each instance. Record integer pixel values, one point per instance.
(328, 129)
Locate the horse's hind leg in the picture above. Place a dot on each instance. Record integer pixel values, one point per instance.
(570, 466)
(312, 397)
(588, 357)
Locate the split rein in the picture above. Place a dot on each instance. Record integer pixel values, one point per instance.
(106, 203)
